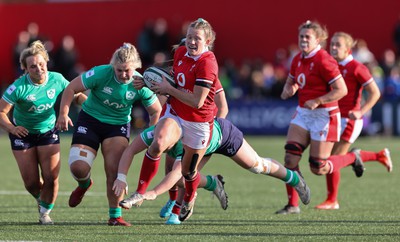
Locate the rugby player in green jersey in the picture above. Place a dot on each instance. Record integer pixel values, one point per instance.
(34, 139)
(105, 120)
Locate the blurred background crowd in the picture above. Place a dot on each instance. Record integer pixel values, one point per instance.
(252, 79)
(254, 51)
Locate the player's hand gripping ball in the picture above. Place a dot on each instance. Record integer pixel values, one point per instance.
(154, 74)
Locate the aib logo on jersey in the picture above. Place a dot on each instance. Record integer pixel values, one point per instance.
(51, 93)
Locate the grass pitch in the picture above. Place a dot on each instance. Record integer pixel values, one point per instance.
(369, 209)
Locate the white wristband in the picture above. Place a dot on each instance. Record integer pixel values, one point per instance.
(122, 177)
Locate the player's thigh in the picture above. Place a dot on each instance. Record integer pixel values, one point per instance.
(112, 149)
(28, 164)
(298, 134)
(321, 149)
(49, 158)
(166, 134)
(203, 162)
(246, 156)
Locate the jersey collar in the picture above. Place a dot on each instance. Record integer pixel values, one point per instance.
(38, 84)
(312, 53)
(195, 58)
(346, 60)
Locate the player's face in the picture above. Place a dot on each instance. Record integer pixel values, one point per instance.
(338, 48)
(37, 68)
(124, 71)
(196, 42)
(307, 40)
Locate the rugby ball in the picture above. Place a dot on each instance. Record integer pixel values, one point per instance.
(154, 74)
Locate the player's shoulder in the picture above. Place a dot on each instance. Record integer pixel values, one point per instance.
(98, 71)
(208, 56)
(180, 52)
(55, 75)
(325, 58)
(323, 54)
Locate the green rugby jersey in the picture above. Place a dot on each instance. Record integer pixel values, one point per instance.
(176, 151)
(34, 103)
(109, 100)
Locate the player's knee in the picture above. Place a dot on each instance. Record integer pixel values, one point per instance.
(157, 147)
(31, 186)
(262, 166)
(80, 162)
(317, 165)
(294, 148)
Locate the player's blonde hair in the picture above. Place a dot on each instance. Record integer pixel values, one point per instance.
(126, 53)
(321, 32)
(36, 48)
(348, 39)
(203, 24)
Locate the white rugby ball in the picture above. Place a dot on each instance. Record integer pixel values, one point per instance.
(155, 74)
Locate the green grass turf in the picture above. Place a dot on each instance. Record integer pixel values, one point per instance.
(369, 207)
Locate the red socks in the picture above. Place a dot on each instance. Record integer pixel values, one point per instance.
(191, 187)
(148, 171)
(368, 155)
(332, 182)
(340, 161)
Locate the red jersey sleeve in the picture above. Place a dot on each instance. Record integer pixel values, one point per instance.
(363, 75)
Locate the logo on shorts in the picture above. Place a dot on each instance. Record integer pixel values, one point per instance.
(18, 142)
(123, 130)
(82, 130)
(203, 141)
(322, 133)
(179, 63)
(108, 90)
(130, 95)
(55, 137)
(51, 93)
